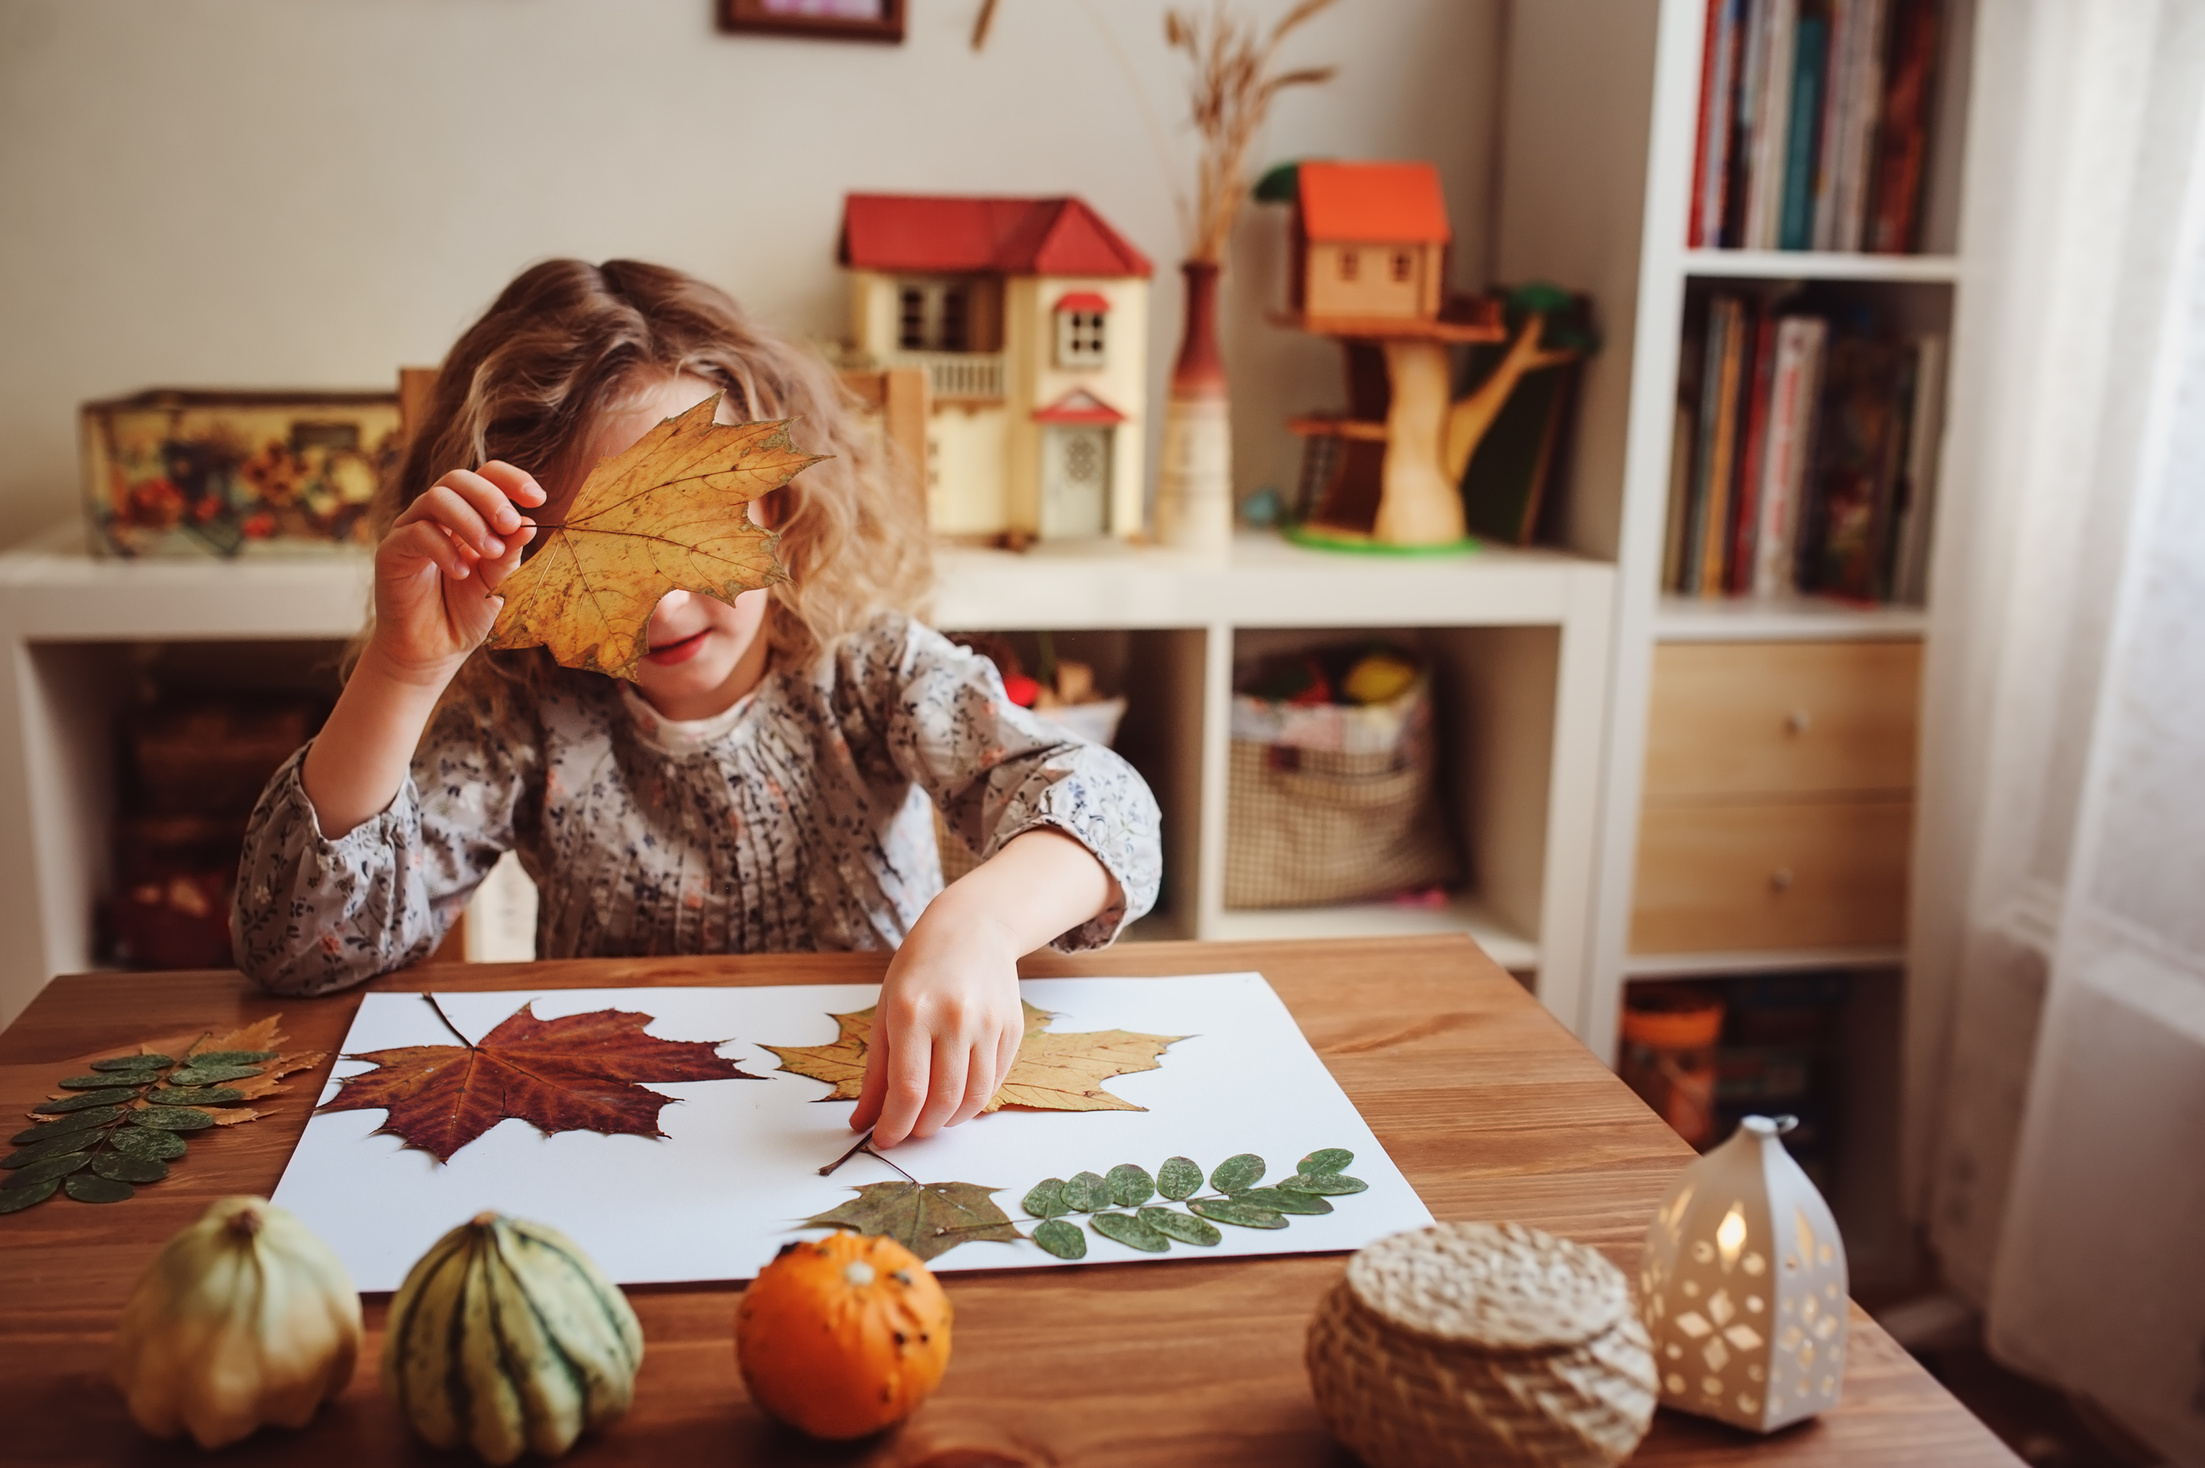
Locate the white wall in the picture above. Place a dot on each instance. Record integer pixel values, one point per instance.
(309, 193)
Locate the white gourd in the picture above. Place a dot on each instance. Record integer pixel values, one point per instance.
(244, 1318)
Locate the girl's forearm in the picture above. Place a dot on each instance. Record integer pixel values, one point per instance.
(1042, 884)
(359, 759)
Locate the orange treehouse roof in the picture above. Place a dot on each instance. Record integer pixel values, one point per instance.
(962, 235)
(1373, 203)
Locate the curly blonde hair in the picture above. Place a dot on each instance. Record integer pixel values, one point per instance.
(568, 341)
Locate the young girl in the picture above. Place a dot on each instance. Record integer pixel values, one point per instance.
(767, 783)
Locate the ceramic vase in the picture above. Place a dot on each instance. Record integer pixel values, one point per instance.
(1194, 488)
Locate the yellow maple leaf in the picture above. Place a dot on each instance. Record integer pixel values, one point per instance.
(1053, 1071)
(668, 514)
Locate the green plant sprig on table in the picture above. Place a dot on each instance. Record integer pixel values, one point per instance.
(1118, 1208)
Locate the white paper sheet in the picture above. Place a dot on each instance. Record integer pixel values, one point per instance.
(737, 1171)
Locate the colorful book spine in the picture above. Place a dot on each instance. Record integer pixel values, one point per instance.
(1902, 132)
(1925, 430)
(1768, 102)
(1745, 525)
(1794, 390)
(1703, 447)
(1721, 466)
(1857, 121)
(1718, 90)
(1810, 58)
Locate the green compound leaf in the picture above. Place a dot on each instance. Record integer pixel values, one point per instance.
(1331, 1183)
(124, 1169)
(1246, 1215)
(1086, 1192)
(87, 1100)
(87, 1189)
(1184, 1227)
(198, 1073)
(58, 1147)
(133, 1062)
(93, 1082)
(15, 1200)
(1179, 1178)
(194, 1096)
(1065, 1240)
(1330, 1159)
(46, 1171)
(172, 1118)
(1130, 1185)
(1243, 1170)
(140, 1141)
(231, 1057)
(1280, 1200)
(1046, 1200)
(80, 1121)
(1129, 1231)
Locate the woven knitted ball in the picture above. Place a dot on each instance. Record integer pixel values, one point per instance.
(1479, 1343)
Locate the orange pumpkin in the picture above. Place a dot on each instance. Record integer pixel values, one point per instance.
(843, 1336)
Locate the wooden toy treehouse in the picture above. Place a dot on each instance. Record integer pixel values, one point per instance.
(1370, 271)
(1028, 319)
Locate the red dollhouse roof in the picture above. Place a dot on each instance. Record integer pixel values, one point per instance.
(1082, 301)
(1373, 203)
(952, 235)
(1078, 406)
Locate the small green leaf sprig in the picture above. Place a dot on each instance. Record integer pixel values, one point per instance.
(122, 1126)
(1118, 1208)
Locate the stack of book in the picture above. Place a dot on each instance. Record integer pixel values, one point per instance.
(1805, 455)
(1814, 124)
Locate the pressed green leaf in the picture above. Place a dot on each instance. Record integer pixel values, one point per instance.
(129, 1169)
(1085, 1192)
(76, 1121)
(1129, 1231)
(1046, 1200)
(1242, 1170)
(1331, 1182)
(1281, 1200)
(57, 1147)
(194, 1096)
(1065, 1240)
(86, 1100)
(172, 1118)
(46, 1171)
(96, 1082)
(199, 1074)
(1184, 1227)
(926, 1218)
(230, 1057)
(143, 1141)
(1246, 1215)
(87, 1189)
(15, 1200)
(1178, 1178)
(1130, 1185)
(132, 1062)
(1329, 1159)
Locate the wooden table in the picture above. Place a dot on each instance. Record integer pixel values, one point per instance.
(1486, 1103)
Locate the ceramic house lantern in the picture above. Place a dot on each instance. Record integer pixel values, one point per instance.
(1743, 1286)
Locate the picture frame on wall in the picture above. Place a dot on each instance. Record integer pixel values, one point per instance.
(827, 20)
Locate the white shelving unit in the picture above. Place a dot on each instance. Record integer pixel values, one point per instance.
(1520, 639)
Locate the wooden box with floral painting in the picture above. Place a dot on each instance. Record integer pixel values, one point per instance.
(171, 472)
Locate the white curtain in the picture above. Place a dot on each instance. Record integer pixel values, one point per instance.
(2056, 1139)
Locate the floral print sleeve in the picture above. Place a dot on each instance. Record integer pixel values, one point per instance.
(313, 914)
(996, 771)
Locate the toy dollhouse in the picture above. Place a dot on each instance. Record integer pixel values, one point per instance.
(1028, 319)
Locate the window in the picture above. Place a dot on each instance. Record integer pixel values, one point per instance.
(1351, 262)
(932, 316)
(1081, 339)
(1402, 264)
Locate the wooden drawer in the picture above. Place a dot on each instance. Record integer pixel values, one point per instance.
(1792, 874)
(1782, 718)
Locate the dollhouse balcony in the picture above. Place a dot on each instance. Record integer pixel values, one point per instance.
(957, 377)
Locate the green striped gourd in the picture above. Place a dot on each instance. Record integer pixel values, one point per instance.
(505, 1336)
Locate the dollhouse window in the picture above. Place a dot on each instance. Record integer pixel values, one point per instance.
(931, 316)
(1401, 265)
(1351, 264)
(1081, 338)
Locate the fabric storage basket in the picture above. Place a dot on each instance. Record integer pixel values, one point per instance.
(1330, 803)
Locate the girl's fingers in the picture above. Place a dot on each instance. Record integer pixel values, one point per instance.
(447, 506)
(427, 541)
(907, 1066)
(945, 1087)
(493, 573)
(490, 498)
(980, 1084)
(875, 1089)
(518, 485)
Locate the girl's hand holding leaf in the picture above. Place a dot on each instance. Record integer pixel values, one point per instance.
(438, 571)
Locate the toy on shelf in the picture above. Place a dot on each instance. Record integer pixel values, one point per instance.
(1369, 270)
(1028, 319)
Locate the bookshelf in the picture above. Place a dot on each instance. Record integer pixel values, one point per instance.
(1600, 131)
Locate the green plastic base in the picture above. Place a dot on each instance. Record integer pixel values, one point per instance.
(1334, 540)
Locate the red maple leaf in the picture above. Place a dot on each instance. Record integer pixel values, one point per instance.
(577, 1073)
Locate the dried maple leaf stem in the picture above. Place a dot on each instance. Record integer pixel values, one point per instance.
(862, 1144)
(440, 1014)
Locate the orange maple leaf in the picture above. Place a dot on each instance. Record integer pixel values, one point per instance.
(668, 514)
(577, 1073)
(1052, 1072)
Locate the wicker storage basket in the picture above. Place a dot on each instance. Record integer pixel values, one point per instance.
(1479, 1343)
